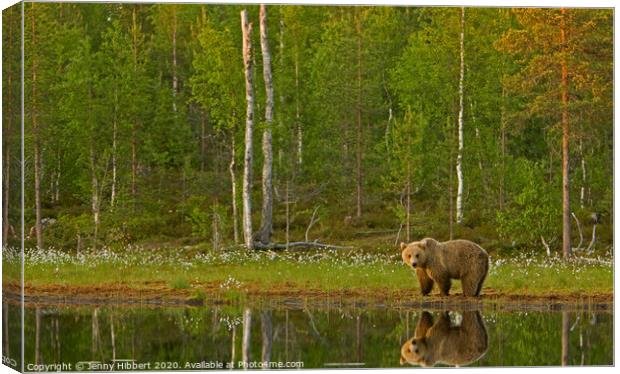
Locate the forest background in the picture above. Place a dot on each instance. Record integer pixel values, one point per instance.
(389, 124)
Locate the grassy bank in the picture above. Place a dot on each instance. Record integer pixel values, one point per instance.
(189, 273)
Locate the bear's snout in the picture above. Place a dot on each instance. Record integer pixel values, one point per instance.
(414, 264)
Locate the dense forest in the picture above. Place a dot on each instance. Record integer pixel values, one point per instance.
(490, 124)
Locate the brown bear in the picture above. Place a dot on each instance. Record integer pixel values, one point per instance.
(444, 343)
(441, 262)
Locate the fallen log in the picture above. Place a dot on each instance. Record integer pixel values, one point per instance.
(375, 232)
(313, 244)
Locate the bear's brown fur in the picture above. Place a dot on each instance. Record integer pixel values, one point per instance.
(442, 262)
(442, 342)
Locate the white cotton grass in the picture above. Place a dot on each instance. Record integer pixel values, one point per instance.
(187, 257)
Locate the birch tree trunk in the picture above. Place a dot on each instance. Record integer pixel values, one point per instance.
(36, 140)
(266, 216)
(233, 183)
(459, 157)
(112, 338)
(7, 135)
(94, 345)
(566, 241)
(232, 344)
(245, 342)
(175, 78)
(582, 194)
(246, 29)
(114, 130)
(94, 193)
(300, 135)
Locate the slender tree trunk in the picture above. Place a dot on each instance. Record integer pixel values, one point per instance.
(566, 241)
(93, 172)
(281, 47)
(300, 135)
(246, 29)
(203, 143)
(134, 161)
(450, 182)
(233, 339)
(359, 337)
(175, 78)
(502, 177)
(37, 336)
(94, 342)
(134, 125)
(286, 339)
(37, 139)
(565, 337)
(267, 336)
(245, 343)
(582, 195)
(233, 183)
(408, 199)
(56, 197)
(288, 214)
(56, 333)
(112, 338)
(504, 16)
(94, 193)
(266, 216)
(5, 328)
(459, 157)
(360, 137)
(114, 136)
(7, 135)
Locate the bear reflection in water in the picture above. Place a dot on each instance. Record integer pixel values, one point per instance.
(442, 342)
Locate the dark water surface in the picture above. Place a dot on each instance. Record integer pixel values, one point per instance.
(205, 337)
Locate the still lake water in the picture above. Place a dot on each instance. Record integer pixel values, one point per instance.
(204, 337)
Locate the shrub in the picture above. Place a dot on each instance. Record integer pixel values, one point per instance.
(534, 210)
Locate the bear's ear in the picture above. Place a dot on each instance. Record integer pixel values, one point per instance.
(428, 243)
(402, 246)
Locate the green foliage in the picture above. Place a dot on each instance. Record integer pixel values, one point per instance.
(200, 223)
(534, 211)
(179, 284)
(362, 94)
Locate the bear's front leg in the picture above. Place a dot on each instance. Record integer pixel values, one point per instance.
(444, 284)
(426, 283)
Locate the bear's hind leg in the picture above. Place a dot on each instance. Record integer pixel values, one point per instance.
(483, 275)
(444, 286)
(469, 285)
(479, 286)
(426, 283)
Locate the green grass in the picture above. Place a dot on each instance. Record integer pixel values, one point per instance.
(508, 277)
(179, 284)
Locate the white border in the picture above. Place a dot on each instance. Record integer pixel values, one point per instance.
(484, 3)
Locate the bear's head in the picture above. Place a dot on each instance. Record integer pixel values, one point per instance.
(416, 254)
(415, 352)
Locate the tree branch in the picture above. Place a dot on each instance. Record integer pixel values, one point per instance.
(312, 222)
(580, 232)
